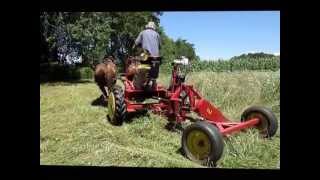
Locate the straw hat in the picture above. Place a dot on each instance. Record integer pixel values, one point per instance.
(151, 25)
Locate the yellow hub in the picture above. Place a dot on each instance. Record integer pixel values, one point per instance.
(198, 144)
(111, 106)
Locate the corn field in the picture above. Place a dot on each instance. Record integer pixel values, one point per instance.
(262, 64)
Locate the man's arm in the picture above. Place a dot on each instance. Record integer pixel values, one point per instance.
(138, 40)
(159, 40)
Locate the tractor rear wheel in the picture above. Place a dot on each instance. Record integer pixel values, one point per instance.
(268, 124)
(202, 143)
(117, 109)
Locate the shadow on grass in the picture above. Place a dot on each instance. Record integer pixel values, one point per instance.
(66, 82)
(99, 101)
(137, 114)
(180, 152)
(129, 117)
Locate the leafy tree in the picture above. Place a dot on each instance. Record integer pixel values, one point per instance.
(92, 34)
(95, 34)
(183, 48)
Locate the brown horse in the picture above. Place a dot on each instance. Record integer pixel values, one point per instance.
(105, 75)
(131, 68)
(136, 74)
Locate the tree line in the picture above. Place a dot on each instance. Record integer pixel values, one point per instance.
(96, 34)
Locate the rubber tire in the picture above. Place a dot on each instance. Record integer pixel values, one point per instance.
(120, 107)
(268, 114)
(217, 144)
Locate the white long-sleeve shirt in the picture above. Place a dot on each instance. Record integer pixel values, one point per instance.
(150, 41)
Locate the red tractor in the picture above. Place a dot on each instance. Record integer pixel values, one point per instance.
(202, 140)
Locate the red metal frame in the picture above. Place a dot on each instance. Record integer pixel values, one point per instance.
(173, 106)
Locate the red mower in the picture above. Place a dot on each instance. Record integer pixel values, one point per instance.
(202, 140)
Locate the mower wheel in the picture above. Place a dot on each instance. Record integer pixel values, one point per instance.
(268, 124)
(202, 143)
(117, 109)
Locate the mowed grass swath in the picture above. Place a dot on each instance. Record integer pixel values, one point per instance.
(73, 132)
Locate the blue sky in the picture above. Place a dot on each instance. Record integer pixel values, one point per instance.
(224, 34)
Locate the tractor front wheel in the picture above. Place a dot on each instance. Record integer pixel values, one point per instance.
(268, 124)
(116, 106)
(202, 143)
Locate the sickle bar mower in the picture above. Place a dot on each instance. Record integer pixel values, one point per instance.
(202, 140)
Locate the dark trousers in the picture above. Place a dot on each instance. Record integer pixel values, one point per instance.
(155, 65)
(154, 71)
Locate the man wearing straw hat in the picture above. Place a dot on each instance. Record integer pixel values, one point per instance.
(150, 41)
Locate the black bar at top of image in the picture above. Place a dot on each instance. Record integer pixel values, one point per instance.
(158, 5)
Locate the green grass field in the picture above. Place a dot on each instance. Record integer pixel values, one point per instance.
(74, 132)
